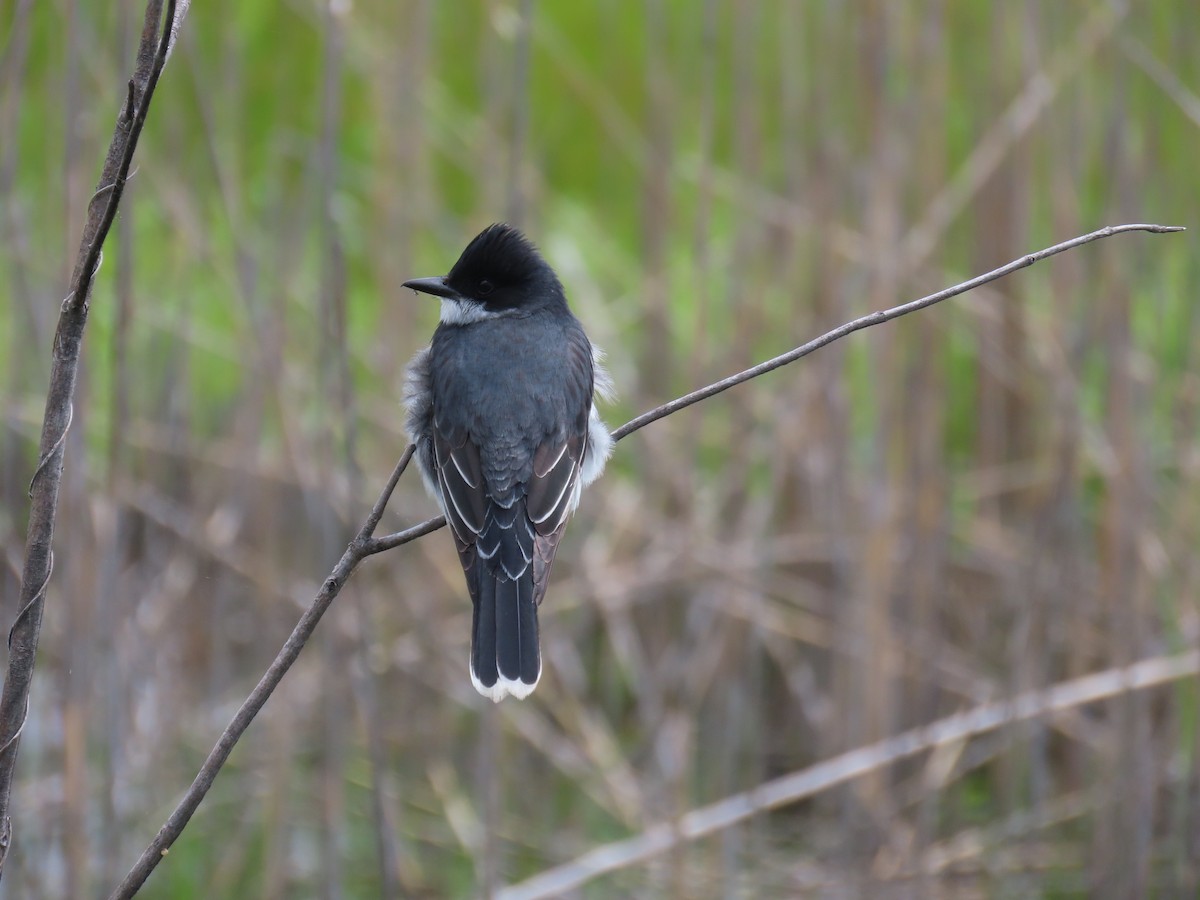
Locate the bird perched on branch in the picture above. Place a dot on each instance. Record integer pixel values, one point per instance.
(501, 408)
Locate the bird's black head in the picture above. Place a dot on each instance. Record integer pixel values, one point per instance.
(500, 271)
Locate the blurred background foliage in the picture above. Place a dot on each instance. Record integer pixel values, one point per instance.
(991, 496)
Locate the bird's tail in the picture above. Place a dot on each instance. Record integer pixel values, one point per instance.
(505, 656)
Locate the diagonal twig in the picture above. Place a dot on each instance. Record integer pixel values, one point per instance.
(330, 588)
(830, 773)
(157, 33)
(364, 544)
(876, 318)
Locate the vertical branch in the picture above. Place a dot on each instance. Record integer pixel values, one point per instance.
(337, 450)
(656, 364)
(335, 362)
(110, 602)
(702, 221)
(13, 234)
(519, 126)
(75, 173)
(865, 684)
(926, 497)
(47, 477)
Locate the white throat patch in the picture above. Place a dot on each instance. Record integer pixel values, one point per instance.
(464, 312)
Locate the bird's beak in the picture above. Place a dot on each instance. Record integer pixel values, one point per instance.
(435, 286)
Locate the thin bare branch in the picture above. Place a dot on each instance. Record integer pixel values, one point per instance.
(876, 318)
(707, 820)
(158, 26)
(241, 720)
(364, 545)
(391, 541)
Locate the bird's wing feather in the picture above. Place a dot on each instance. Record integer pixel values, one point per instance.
(555, 482)
(533, 528)
(555, 474)
(460, 477)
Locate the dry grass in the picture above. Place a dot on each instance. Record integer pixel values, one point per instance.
(988, 501)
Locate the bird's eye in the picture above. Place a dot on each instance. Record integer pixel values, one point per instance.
(485, 288)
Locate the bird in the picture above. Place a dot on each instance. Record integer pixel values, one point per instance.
(502, 409)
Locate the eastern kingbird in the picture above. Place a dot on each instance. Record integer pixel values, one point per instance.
(500, 406)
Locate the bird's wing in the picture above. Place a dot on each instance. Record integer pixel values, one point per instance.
(463, 496)
(551, 495)
(534, 526)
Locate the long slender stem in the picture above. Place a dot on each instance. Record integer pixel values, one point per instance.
(707, 820)
(875, 318)
(330, 588)
(158, 30)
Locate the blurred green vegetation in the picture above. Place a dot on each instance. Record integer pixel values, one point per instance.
(994, 495)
